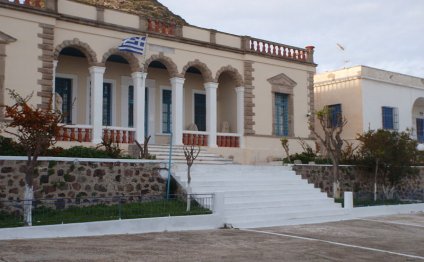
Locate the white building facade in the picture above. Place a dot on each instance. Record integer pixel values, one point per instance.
(371, 99)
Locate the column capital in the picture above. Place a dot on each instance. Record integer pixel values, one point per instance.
(142, 75)
(239, 89)
(97, 69)
(210, 85)
(177, 80)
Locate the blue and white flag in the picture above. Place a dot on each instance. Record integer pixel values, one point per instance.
(134, 44)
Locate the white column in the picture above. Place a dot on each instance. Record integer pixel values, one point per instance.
(211, 89)
(96, 80)
(240, 114)
(139, 81)
(54, 85)
(177, 110)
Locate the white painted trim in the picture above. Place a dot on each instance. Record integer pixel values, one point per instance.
(196, 91)
(115, 227)
(74, 88)
(161, 88)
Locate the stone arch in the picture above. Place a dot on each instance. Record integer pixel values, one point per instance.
(233, 72)
(202, 67)
(169, 64)
(81, 46)
(131, 59)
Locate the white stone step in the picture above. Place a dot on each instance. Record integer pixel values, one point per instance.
(260, 195)
(236, 204)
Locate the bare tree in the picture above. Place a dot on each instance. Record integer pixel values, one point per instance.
(36, 130)
(190, 154)
(285, 145)
(331, 141)
(144, 150)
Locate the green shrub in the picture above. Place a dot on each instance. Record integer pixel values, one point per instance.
(8, 147)
(84, 152)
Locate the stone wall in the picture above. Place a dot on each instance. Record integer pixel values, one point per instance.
(60, 179)
(359, 181)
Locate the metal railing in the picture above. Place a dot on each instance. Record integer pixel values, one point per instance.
(90, 209)
(363, 199)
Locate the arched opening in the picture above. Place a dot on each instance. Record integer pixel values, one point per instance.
(418, 119)
(194, 100)
(158, 110)
(71, 92)
(227, 104)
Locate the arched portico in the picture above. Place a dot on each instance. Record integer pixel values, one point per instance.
(418, 119)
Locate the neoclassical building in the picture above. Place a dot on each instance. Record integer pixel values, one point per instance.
(236, 95)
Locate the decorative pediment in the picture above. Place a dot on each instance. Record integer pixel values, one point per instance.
(282, 80)
(5, 38)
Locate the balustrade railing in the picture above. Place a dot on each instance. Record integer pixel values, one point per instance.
(119, 134)
(228, 140)
(195, 138)
(279, 50)
(80, 133)
(162, 26)
(29, 3)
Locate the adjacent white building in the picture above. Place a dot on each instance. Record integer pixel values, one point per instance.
(372, 98)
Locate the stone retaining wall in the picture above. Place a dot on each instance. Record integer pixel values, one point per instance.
(71, 179)
(359, 181)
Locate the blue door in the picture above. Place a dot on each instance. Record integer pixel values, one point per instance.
(63, 87)
(166, 111)
(200, 111)
(107, 104)
(281, 118)
(420, 130)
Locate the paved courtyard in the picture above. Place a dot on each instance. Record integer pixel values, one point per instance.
(392, 238)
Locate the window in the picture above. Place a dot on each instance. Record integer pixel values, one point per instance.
(200, 111)
(166, 111)
(334, 115)
(420, 130)
(390, 118)
(131, 106)
(281, 114)
(107, 104)
(63, 88)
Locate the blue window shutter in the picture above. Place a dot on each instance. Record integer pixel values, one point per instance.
(131, 106)
(166, 111)
(388, 118)
(107, 104)
(334, 115)
(281, 114)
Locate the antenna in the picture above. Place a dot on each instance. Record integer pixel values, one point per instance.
(342, 49)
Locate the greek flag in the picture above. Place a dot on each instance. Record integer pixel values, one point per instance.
(134, 44)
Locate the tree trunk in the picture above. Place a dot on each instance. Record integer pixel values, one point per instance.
(389, 192)
(28, 197)
(336, 182)
(188, 198)
(375, 180)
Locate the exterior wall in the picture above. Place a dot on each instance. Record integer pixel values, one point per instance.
(344, 93)
(59, 179)
(263, 96)
(27, 32)
(356, 180)
(227, 104)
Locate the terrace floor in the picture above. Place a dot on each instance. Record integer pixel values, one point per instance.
(390, 238)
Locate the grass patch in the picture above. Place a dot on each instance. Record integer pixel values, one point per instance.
(48, 216)
(371, 202)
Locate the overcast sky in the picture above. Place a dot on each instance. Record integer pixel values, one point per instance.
(387, 34)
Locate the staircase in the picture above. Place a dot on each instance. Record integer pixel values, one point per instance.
(262, 196)
(162, 153)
